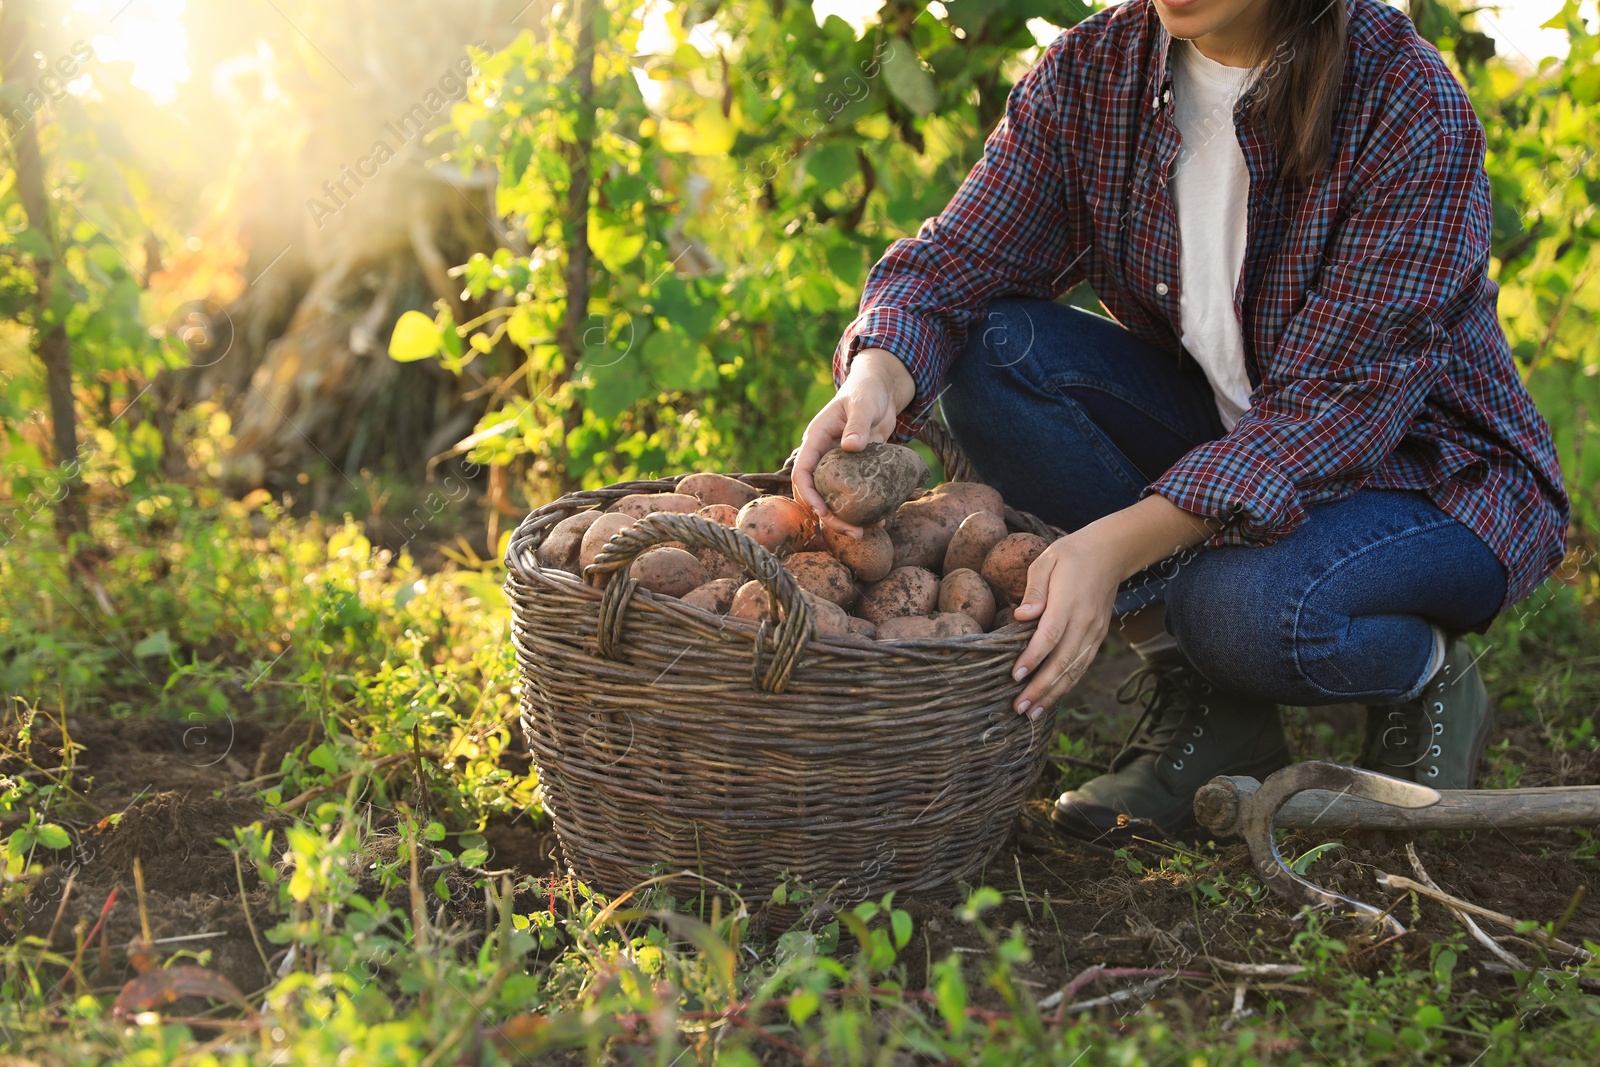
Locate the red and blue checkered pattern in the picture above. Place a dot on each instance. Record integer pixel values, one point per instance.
(1368, 314)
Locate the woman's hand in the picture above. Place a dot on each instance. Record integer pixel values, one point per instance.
(1072, 586)
(863, 412)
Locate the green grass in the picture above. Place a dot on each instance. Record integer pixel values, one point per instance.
(407, 943)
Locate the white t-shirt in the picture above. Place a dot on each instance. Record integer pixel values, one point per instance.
(1211, 186)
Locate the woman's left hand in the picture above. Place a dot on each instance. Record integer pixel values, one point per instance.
(1072, 587)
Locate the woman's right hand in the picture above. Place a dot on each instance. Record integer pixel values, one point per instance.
(863, 412)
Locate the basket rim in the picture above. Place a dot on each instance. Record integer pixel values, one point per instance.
(564, 582)
(522, 564)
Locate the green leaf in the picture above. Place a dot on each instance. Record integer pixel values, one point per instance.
(613, 388)
(950, 991)
(676, 360)
(909, 83)
(1304, 862)
(803, 1003)
(682, 309)
(832, 164)
(844, 260)
(50, 835)
(157, 644)
(616, 248)
(515, 161)
(473, 857)
(982, 900)
(324, 757)
(415, 337)
(901, 921)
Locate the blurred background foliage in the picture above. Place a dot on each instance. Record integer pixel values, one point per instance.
(294, 246)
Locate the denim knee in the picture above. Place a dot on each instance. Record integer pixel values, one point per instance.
(1277, 626)
(1226, 612)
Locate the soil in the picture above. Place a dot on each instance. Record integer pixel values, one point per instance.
(1077, 906)
(174, 789)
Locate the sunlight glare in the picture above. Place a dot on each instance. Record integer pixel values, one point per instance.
(149, 34)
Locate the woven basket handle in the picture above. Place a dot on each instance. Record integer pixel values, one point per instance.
(794, 630)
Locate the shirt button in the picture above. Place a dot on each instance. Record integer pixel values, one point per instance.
(1161, 288)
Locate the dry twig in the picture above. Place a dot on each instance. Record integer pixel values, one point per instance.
(1398, 881)
(1462, 917)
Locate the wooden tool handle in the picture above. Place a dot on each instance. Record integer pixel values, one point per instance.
(1217, 807)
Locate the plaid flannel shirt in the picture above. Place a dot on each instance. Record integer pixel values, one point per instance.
(1371, 338)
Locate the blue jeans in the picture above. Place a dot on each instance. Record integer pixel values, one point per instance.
(1070, 417)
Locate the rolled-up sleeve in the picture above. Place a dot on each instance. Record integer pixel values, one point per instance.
(1358, 360)
(1010, 230)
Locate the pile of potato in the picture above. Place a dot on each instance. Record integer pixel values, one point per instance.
(935, 563)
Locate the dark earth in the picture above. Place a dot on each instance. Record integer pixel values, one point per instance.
(179, 792)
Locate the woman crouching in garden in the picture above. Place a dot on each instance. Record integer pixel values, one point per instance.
(1300, 464)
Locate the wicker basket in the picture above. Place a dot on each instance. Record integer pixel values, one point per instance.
(668, 739)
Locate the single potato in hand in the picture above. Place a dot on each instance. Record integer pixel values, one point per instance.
(863, 487)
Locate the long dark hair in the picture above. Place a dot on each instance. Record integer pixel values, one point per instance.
(1303, 47)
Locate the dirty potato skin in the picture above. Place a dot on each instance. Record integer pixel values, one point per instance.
(751, 602)
(830, 618)
(906, 628)
(821, 575)
(639, 505)
(965, 591)
(922, 529)
(719, 566)
(906, 591)
(668, 571)
(928, 627)
(870, 557)
(974, 496)
(723, 514)
(718, 489)
(978, 533)
(1006, 567)
(863, 487)
(862, 628)
(562, 544)
(599, 532)
(777, 523)
(716, 596)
